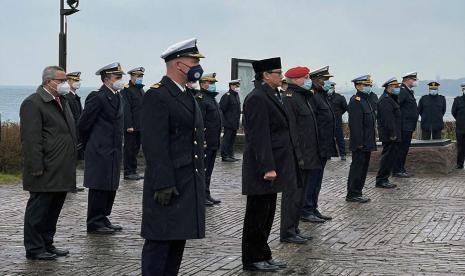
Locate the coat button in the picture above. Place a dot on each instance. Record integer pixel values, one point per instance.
(196, 170)
(195, 142)
(195, 129)
(196, 157)
(205, 155)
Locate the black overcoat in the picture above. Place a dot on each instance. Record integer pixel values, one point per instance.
(362, 121)
(230, 105)
(432, 109)
(326, 124)
(389, 119)
(458, 111)
(211, 114)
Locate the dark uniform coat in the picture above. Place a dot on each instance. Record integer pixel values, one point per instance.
(389, 118)
(373, 99)
(458, 111)
(432, 109)
(338, 104)
(211, 114)
(173, 145)
(132, 96)
(301, 112)
(362, 120)
(75, 105)
(101, 128)
(408, 108)
(48, 139)
(268, 143)
(230, 105)
(326, 124)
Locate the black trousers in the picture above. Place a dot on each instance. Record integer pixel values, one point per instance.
(292, 201)
(426, 134)
(460, 148)
(162, 258)
(227, 147)
(404, 146)
(358, 173)
(131, 150)
(210, 156)
(40, 220)
(387, 161)
(313, 188)
(340, 138)
(258, 220)
(99, 208)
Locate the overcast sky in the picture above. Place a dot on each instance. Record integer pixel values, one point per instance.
(383, 38)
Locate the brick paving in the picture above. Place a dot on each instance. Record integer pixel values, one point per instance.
(417, 229)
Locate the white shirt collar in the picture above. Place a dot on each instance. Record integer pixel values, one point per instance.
(183, 88)
(111, 89)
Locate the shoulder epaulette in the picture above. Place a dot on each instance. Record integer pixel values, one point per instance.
(357, 98)
(156, 85)
(199, 96)
(288, 94)
(228, 93)
(126, 85)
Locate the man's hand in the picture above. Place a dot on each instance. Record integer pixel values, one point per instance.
(270, 176)
(130, 130)
(163, 196)
(38, 173)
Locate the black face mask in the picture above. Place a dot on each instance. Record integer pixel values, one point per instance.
(195, 73)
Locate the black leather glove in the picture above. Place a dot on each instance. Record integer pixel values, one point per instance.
(163, 196)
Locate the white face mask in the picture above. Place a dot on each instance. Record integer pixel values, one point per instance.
(63, 88)
(77, 85)
(415, 84)
(118, 85)
(195, 85)
(237, 89)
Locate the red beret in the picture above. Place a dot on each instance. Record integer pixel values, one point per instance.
(297, 72)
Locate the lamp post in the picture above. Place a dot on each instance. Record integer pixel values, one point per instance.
(73, 4)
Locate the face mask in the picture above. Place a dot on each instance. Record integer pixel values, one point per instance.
(77, 85)
(307, 84)
(212, 87)
(396, 91)
(433, 92)
(331, 91)
(118, 85)
(138, 81)
(366, 89)
(194, 73)
(195, 85)
(237, 89)
(415, 84)
(327, 85)
(63, 88)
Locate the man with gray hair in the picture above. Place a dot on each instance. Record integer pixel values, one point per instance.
(48, 139)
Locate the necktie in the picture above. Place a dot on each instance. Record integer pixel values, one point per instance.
(57, 100)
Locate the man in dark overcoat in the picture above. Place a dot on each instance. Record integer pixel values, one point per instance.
(48, 139)
(230, 105)
(101, 128)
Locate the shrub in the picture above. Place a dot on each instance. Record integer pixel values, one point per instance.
(10, 148)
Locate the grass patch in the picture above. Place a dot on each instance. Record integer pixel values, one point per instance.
(9, 178)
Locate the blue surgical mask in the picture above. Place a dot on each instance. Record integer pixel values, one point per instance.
(194, 73)
(307, 84)
(366, 89)
(327, 85)
(212, 87)
(138, 81)
(396, 91)
(433, 92)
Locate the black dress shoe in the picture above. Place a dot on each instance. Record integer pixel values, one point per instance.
(133, 176)
(277, 263)
(208, 203)
(308, 238)
(321, 216)
(260, 266)
(312, 218)
(115, 227)
(215, 201)
(343, 158)
(294, 239)
(459, 167)
(58, 252)
(237, 159)
(228, 159)
(44, 256)
(359, 199)
(101, 231)
(78, 189)
(386, 185)
(401, 175)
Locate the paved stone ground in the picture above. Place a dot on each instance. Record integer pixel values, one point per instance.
(417, 229)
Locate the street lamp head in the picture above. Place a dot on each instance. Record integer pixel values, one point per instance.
(73, 4)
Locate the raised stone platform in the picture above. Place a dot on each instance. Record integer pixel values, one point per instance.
(424, 157)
